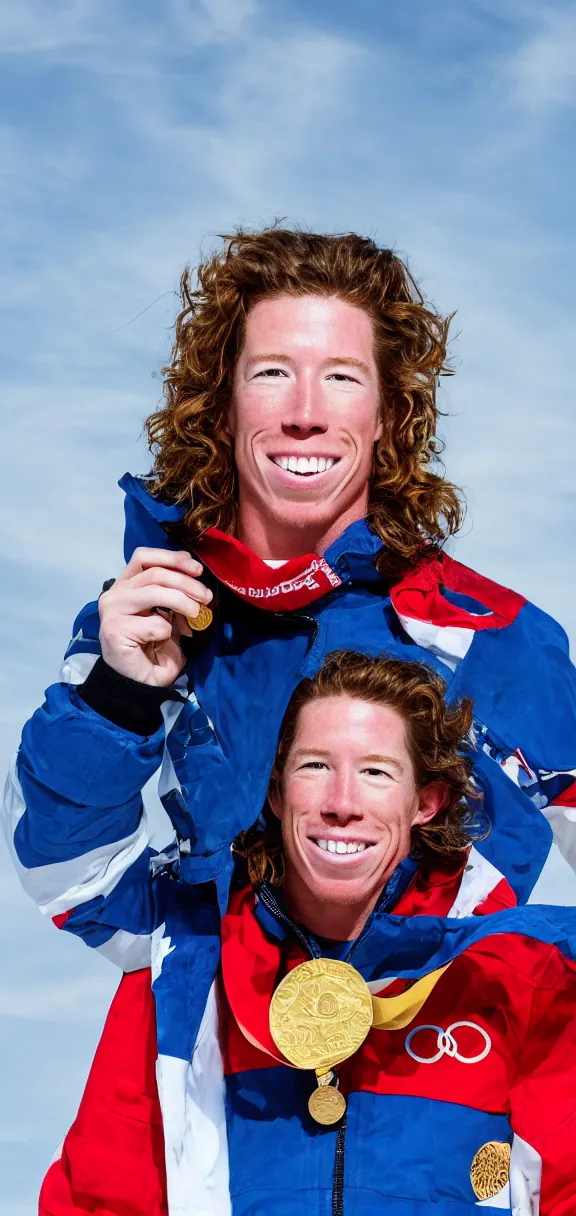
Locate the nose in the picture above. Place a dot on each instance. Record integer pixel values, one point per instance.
(307, 412)
(342, 803)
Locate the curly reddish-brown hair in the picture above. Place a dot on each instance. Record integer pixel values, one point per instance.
(411, 507)
(437, 739)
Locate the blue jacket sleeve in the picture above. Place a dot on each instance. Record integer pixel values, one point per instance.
(74, 814)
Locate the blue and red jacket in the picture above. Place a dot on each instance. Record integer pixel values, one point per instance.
(488, 1063)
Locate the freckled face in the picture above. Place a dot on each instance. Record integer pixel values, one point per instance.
(349, 800)
(305, 411)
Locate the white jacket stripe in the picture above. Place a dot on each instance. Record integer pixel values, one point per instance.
(59, 886)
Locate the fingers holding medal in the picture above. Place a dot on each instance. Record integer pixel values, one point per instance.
(202, 620)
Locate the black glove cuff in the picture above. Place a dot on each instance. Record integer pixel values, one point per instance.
(133, 706)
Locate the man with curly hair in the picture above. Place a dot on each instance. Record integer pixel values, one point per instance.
(341, 1049)
(294, 508)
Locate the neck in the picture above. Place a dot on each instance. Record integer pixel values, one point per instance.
(336, 921)
(269, 536)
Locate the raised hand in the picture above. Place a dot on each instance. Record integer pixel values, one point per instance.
(136, 640)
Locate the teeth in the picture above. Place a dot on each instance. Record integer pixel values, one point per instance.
(305, 464)
(340, 846)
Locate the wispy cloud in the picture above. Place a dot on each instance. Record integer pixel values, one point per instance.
(543, 68)
(34, 27)
(54, 29)
(212, 20)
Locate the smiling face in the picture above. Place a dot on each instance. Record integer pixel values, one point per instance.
(305, 418)
(347, 802)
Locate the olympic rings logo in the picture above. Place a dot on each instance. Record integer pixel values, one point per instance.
(447, 1045)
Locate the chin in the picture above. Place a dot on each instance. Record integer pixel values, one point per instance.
(339, 893)
(297, 514)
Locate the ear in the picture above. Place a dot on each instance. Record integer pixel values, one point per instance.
(431, 799)
(378, 433)
(275, 800)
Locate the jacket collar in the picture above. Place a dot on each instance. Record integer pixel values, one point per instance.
(351, 556)
(271, 912)
(357, 545)
(139, 488)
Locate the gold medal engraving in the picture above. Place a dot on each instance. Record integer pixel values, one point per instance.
(326, 1105)
(203, 620)
(490, 1169)
(320, 1014)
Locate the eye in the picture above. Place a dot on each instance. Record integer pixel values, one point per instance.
(270, 371)
(376, 772)
(342, 376)
(315, 764)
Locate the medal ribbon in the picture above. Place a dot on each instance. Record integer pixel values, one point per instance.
(396, 1012)
(298, 582)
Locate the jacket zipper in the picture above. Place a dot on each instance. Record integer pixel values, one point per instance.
(266, 897)
(338, 1175)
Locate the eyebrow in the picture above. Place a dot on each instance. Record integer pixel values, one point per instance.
(385, 760)
(350, 362)
(347, 360)
(270, 358)
(311, 751)
(380, 759)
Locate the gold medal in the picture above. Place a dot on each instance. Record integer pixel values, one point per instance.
(203, 620)
(320, 1015)
(326, 1105)
(490, 1169)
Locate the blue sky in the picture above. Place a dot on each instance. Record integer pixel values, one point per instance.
(132, 133)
